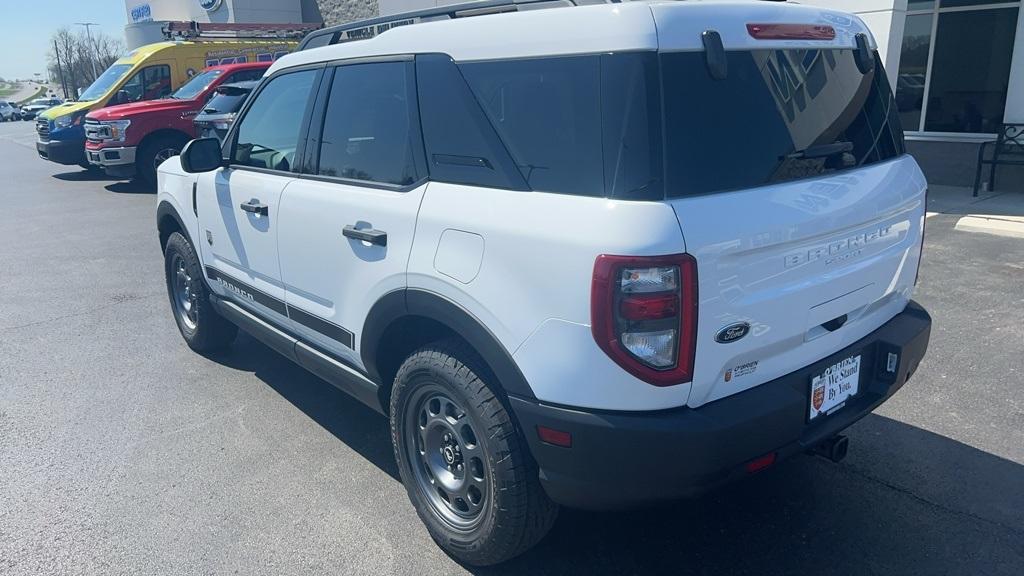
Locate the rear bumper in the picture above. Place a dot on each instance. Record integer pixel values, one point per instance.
(628, 459)
(61, 151)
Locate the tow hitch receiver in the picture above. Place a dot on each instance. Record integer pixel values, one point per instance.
(833, 448)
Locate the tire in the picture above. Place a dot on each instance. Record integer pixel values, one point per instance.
(203, 329)
(439, 392)
(153, 152)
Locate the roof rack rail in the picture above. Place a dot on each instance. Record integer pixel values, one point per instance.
(366, 29)
(221, 31)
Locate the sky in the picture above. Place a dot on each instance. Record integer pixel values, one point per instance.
(25, 29)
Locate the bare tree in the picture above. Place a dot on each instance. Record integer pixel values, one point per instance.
(77, 56)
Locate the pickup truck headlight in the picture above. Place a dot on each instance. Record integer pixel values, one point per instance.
(69, 120)
(118, 129)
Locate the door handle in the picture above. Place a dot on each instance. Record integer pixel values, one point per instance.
(254, 206)
(378, 237)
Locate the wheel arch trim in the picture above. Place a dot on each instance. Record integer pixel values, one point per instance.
(406, 302)
(164, 209)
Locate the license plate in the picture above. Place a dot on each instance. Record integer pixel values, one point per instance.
(833, 387)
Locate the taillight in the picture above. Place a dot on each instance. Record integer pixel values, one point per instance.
(643, 312)
(791, 31)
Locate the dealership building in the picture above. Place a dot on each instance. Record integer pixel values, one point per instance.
(956, 65)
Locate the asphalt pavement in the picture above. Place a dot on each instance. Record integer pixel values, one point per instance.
(122, 452)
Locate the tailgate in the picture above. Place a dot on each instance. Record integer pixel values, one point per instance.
(790, 258)
(785, 165)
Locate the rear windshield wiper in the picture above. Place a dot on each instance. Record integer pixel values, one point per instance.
(823, 151)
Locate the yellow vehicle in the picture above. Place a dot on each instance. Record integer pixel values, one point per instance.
(146, 73)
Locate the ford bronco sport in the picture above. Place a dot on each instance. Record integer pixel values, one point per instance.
(594, 256)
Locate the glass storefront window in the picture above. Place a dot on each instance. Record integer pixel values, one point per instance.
(971, 70)
(955, 3)
(917, 39)
(954, 66)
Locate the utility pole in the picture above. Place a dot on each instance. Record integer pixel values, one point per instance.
(60, 70)
(92, 46)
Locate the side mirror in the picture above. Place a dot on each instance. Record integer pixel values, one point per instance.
(201, 155)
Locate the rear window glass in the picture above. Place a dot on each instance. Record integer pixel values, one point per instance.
(223, 103)
(779, 115)
(585, 125)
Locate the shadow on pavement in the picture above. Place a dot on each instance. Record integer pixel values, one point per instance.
(83, 176)
(130, 187)
(906, 501)
(359, 427)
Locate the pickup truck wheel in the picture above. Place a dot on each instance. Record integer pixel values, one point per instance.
(153, 153)
(464, 464)
(203, 329)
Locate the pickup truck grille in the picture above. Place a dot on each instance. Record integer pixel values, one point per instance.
(43, 130)
(96, 132)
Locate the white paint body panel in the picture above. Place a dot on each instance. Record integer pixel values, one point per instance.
(625, 27)
(537, 266)
(174, 186)
(742, 239)
(334, 277)
(244, 244)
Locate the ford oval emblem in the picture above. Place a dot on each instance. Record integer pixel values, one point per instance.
(732, 332)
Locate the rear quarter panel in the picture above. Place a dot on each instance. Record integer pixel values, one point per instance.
(528, 278)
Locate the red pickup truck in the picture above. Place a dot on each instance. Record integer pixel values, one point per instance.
(133, 139)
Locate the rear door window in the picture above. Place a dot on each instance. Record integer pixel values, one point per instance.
(368, 126)
(779, 115)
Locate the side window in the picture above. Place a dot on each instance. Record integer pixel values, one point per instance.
(368, 125)
(150, 83)
(268, 134)
(461, 145)
(547, 112)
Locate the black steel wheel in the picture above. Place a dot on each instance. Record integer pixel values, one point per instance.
(463, 460)
(449, 466)
(203, 329)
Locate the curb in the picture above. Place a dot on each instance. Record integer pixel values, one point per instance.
(1011, 226)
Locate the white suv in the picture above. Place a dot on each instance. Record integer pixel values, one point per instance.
(596, 256)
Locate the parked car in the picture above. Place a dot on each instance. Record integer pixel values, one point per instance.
(219, 113)
(147, 73)
(546, 245)
(8, 112)
(133, 139)
(37, 106)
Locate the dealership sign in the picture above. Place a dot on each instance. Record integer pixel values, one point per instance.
(210, 5)
(142, 13)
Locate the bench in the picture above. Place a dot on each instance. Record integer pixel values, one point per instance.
(1008, 151)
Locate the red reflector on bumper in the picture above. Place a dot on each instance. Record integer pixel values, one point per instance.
(761, 462)
(791, 31)
(556, 437)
